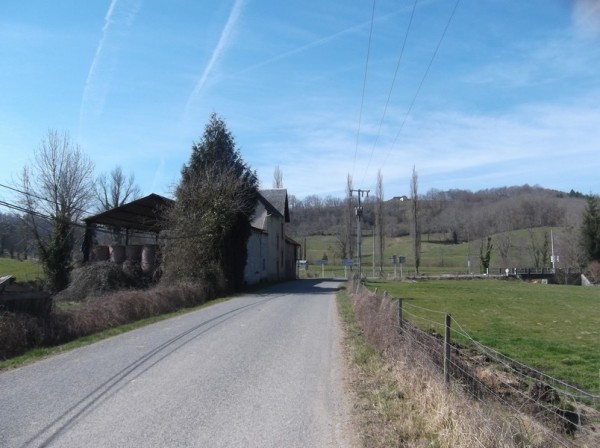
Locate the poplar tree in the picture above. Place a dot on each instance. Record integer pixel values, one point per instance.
(590, 229)
(415, 218)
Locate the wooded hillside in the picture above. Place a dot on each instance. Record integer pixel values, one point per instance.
(459, 216)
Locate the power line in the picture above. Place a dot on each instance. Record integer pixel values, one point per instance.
(391, 87)
(423, 78)
(50, 201)
(362, 101)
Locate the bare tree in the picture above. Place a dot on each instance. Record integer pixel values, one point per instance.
(539, 250)
(504, 244)
(116, 189)
(113, 191)
(380, 219)
(415, 218)
(56, 189)
(349, 219)
(277, 178)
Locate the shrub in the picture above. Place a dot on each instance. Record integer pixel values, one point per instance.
(593, 271)
(95, 279)
(19, 333)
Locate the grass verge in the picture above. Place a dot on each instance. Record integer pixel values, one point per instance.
(382, 413)
(401, 397)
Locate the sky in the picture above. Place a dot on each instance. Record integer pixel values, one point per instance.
(474, 94)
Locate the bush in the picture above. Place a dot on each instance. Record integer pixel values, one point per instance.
(95, 279)
(593, 272)
(19, 333)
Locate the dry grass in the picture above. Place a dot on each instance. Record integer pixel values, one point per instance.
(96, 279)
(19, 333)
(403, 400)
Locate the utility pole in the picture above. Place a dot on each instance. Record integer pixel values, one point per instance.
(359, 212)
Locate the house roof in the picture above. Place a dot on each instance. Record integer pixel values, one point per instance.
(270, 202)
(292, 241)
(146, 214)
(278, 197)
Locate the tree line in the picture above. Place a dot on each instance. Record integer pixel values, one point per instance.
(459, 216)
(455, 215)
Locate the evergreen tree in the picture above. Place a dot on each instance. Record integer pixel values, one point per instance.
(485, 254)
(590, 229)
(210, 222)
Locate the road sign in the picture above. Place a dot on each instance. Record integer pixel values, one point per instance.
(401, 259)
(321, 262)
(347, 262)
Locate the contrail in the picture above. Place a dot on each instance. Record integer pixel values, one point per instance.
(317, 42)
(129, 12)
(218, 51)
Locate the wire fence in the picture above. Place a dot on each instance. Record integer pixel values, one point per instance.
(487, 374)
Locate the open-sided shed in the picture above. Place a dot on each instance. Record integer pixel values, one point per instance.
(146, 214)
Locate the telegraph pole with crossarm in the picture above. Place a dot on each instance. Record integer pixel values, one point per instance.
(359, 213)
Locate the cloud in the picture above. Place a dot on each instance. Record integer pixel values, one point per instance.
(586, 16)
(223, 43)
(546, 143)
(120, 14)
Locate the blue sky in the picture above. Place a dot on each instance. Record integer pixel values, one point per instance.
(487, 93)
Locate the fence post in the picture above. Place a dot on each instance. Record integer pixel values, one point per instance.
(447, 350)
(400, 312)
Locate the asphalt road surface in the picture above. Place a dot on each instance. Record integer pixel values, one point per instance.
(260, 370)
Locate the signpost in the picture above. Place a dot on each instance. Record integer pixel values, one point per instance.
(398, 260)
(322, 263)
(347, 262)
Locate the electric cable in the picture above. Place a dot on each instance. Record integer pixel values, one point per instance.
(414, 99)
(412, 14)
(363, 88)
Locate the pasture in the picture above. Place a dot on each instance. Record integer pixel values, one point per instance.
(553, 328)
(23, 270)
(437, 255)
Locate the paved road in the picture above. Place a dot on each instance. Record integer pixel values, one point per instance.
(260, 370)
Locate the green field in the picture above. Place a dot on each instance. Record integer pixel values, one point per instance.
(23, 270)
(553, 328)
(437, 256)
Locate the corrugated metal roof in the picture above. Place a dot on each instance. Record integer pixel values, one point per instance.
(146, 214)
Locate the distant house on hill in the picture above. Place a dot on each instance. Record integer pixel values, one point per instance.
(271, 255)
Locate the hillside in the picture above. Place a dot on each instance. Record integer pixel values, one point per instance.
(522, 221)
